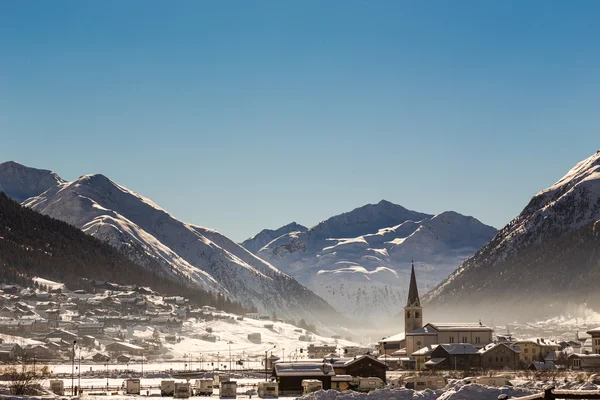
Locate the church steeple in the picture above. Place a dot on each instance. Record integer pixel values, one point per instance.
(413, 291)
(413, 312)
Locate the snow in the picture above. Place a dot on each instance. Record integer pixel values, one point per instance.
(123, 218)
(360, 261)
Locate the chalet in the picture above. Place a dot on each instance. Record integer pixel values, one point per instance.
(584, 361)
(423, 355)
(362, 366)
(38, 351)
(289, 376)
(89, 328)
(64, 335)
(500, 356)
(123, 359)
(100, 358)
(10, 351)
(118, 348)
(320, 351)
(454, 356)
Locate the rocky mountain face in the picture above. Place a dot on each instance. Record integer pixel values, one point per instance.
(264, 237)
(20, 182)
(200, 256)
(550, 248)
(360, 261)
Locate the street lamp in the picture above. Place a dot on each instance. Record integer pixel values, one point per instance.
(266, 355)
(106, 365)
(73, 369)
(229, 359)
(283, 354)
(79, 372)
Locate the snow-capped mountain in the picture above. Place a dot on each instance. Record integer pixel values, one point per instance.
(529, 255)
(360, 261)
(264, 237)
(20, 182)
(201, 256)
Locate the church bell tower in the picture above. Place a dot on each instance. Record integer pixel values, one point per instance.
(413, 312)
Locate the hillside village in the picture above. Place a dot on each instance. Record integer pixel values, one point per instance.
(133, 324)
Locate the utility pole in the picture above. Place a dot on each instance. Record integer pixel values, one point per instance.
(73, 369)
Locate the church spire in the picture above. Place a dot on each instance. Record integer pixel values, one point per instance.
(413, 292)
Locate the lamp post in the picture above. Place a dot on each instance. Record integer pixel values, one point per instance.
(283, 354)
(106, 365)
(73, 369)
(266, 355)
(229, 359)
(79, 372)
(218, 361)
(385, 355)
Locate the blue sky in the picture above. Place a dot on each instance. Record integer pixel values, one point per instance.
(242, 115)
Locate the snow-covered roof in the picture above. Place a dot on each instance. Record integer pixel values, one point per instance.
(394, 338)
(435, 361)
(459, 349)
(425, 350)
(426, 330)
(303, 369)
(513, 347)
(459, 326)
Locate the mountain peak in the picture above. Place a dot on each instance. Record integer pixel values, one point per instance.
(20, 182)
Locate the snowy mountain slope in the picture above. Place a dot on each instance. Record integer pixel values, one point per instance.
(264, 237)
(360, 261)
(20, 182)
(568, 206)
(198, 255)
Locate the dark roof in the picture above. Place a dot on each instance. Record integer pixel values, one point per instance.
(413, 292)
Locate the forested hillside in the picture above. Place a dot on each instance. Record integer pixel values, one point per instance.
(32, 244)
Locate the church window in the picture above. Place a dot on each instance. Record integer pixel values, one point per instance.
(416, 314)
(408, 314)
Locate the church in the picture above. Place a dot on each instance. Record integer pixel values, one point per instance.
(417, 338)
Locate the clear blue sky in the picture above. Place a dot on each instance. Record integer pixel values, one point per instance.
(242, 115)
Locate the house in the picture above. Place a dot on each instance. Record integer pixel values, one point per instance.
(500, 356)
(100, 358)
(422, 355)
(584, 361)
(542, 366)
(461, 356)
(320, 351)
(289, 376)
(90, 328)
(535, 349)
(392, 344)
(123, 359)
(38, 351)
(118, 348)
(64, 335)
(364, 366)
(10, 351)
(595, 334)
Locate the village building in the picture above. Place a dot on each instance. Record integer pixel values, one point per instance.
(500, 356)
(417, 336)
(364, 366)
(535, 349)
(118, 348)
(460, 356)
(289, 376)
(320, 351)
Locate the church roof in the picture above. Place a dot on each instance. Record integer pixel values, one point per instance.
(413, 292)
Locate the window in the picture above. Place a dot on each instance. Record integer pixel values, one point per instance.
(496, 359)
(534, 350)
(416, 314)
(408, 314)
(526, 351)
(451, 340)
(464, 339)
(577, 363)
(501, 359)
(477, 340)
